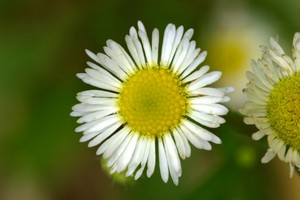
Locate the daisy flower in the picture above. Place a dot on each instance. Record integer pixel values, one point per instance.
(146, 102)
(273, 104)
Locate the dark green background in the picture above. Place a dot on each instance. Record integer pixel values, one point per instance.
(42, 48)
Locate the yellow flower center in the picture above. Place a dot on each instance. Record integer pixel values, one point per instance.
(284, 110)
(153, 101)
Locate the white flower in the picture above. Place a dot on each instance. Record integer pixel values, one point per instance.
(273, 103)
(144, 100)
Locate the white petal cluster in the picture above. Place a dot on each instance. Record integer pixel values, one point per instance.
(274, 66)
(102, 125)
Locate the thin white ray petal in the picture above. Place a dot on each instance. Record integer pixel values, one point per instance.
(163, 164)
(103, 75)
(133, 51)
(120, 55)
(206, 100)
(154, 44)
(207, 91)
(196, 74)
(138, 46)
(103, 135)
(191, 55)
(185, 142)
(214, 109)
(270, 154)
(86, 108)
(110, 145)
(146, 46)
(258, 135)
(111, 66)
(137, 156)
(191, 137)
(85, 138)
(94, 82)
(168, 39)
(97, 100)
(205, 80)
(94, 115)
(180, 54)
(151, 159)
(96, 123)
(144, 159)
(200, 58)
(97, 93)
(172, 155)
(179, 144)
(127, 154)
(102, 123)
(92, 55)
(116, 155)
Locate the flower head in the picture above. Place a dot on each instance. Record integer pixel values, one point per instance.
(146, 102)
(273, 103)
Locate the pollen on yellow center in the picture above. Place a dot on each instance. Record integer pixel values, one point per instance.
(284, 110)
(153, 101)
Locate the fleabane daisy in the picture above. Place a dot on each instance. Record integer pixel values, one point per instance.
(273, 103)
(146, 102)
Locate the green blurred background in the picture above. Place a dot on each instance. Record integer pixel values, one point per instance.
(42, 48)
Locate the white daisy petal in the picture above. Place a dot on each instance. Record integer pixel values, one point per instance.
(103, 135)
(97, 93)
(180, 144)
(102, 75)
(110, 66)
(133, 51)
(193, 139)
(97, 83)
(87, 137)
(137, 156)
(95, 115)
(138, 46)
(151, 159)
(181, 52)
(168, 39)
(258, 135)
(97, 125)
(268, 156)
(107, 148)
(205, 80)
(200, 58)
(296, 51)
(195, 75)
(127, 154)
(185, 141)
(172, 155)
(163, 164)
(191, 54)
(209, 92)
(100, 124)
(92, 55)
(155, 43)
(86, 108)
(144, 159)
(115, 158)
(146, 46)
(214, 109)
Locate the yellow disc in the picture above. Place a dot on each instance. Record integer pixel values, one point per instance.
(153, 101)
(284, 110)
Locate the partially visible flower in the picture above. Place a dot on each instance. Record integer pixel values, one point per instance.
(231, 38)
(273, 103)
(146, 102)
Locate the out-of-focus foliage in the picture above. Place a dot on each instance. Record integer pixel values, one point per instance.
(42, 48)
